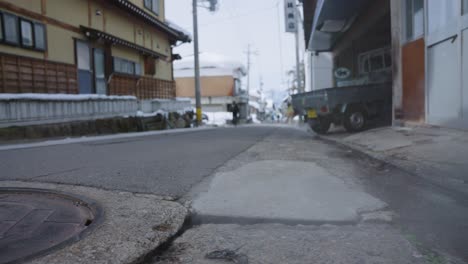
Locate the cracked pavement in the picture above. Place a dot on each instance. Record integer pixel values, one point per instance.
(266, 194)
(291, 198)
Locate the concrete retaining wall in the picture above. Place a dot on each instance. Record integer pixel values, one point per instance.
(30, 109)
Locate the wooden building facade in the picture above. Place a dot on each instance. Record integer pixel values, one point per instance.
(109, 47)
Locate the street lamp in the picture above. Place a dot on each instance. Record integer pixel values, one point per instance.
(213, 4)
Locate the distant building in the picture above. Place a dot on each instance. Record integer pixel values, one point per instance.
(109, 47)
(255, 102)
(221, 83)
(257, 105)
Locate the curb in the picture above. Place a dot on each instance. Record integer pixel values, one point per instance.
(447, 187)
(133, 227)
(66, 141)
(362, 151)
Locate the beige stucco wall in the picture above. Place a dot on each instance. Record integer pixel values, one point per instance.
(160, 43)
(111, 21)
(163, 70)
(126, 53)
(97, 21)
(119, 27)
(61, 45)
(139, 35)
(73, 12)
(148, 38)
(21, 52)
(60, 41)
(33, 5)
(164, 45)
(136, 32)
(161, 16)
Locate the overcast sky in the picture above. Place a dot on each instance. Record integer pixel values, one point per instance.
(233, 27)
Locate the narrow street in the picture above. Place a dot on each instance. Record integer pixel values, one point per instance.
(265, 194)
(166, 165)
(212, 131)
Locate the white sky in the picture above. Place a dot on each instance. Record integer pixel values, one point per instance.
(236, 24)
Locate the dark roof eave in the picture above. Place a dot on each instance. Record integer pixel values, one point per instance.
(309, 7)
(96, 34)
(137, 11)
(176, 57)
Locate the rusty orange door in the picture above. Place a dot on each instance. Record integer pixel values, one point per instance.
(413, 64)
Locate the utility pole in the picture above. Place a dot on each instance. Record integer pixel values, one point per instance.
(298, 60)
(213, 4)
(249, 53)
(248, 68)
(261, 84)
(197, 64)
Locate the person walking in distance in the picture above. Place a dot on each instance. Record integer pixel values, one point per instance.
(289, 114)
(235, 113)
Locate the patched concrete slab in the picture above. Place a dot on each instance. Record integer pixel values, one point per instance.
(284, 190)
(133, 225)
(276, 243)
(380, 139)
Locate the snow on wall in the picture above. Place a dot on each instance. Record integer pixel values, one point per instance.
(183, 99)
(210, 65)
(62, 97)
(31, 109)
(254, 104)
(218, 118)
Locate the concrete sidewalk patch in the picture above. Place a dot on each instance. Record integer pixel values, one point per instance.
(437, 155)
(133, 226)
(275, 243)
(300, 192)
(380, 140)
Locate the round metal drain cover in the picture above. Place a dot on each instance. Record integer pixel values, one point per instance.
(33, 221)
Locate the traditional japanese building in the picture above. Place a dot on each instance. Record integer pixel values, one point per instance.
(109, 47)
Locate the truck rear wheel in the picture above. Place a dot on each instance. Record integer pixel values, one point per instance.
(320, 125)
(355, 119)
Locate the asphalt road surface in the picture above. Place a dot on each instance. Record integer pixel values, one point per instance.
(205, 166)
(166, 165)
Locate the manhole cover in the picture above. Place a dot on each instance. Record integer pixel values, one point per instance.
(33, 221)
